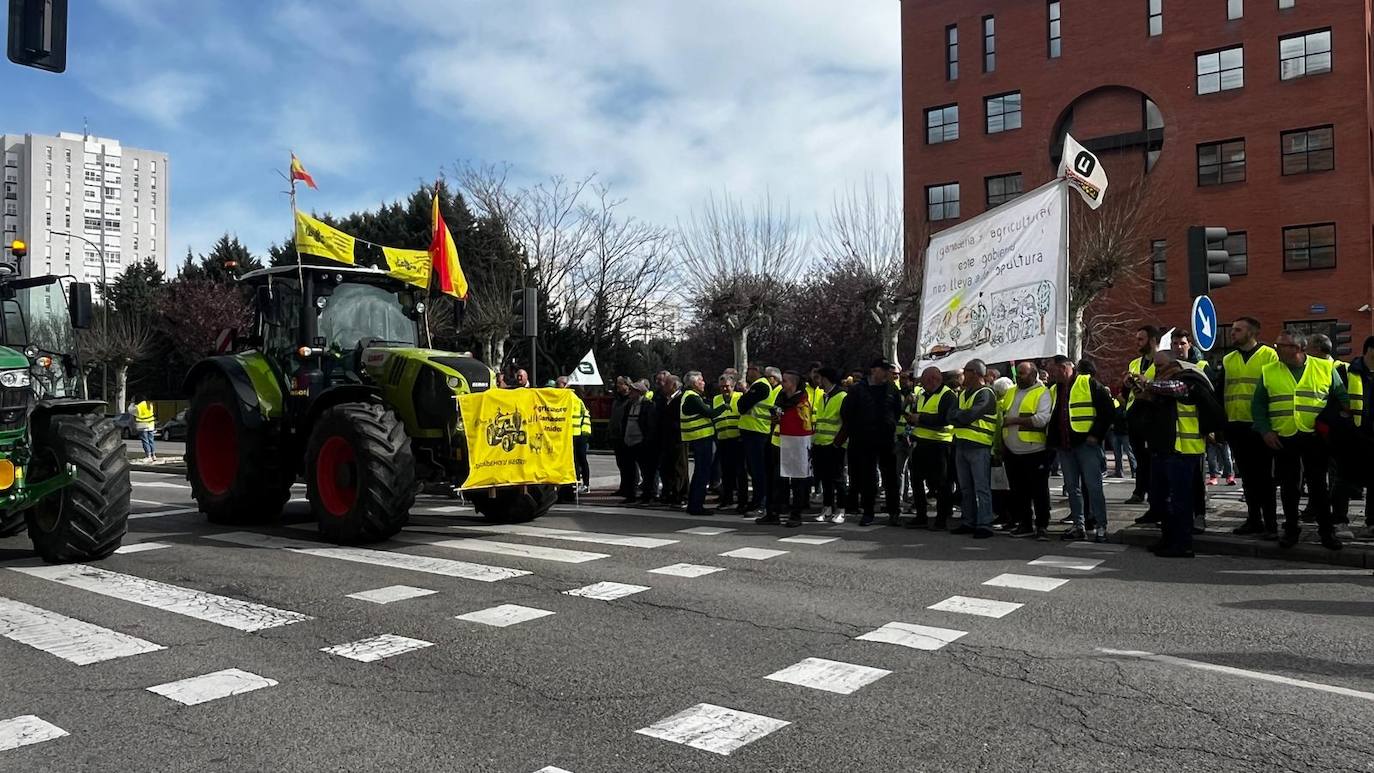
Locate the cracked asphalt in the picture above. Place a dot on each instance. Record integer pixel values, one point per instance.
(1029, 691)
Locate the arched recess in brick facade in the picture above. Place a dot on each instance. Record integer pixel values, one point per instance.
(1111, 119)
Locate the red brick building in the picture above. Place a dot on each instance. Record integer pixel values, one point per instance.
(1254, 115)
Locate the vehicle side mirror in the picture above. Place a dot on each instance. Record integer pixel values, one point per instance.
(80, 306)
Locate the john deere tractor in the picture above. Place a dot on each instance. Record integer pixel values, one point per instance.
(331, 384)
(64, 471)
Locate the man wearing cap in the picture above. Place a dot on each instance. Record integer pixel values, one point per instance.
(869, 419)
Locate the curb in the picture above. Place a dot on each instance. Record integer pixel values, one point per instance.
(1360, 558)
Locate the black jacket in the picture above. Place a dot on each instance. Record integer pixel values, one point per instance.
(1105, 414)
(870, 413)
(1161, 412)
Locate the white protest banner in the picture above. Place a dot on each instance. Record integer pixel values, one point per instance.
(997, 286)
(1083, 171)
(586, 373)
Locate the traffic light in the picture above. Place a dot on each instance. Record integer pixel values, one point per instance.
(1340, 341)
(38, 34)
(1207, 259)
(525, 308)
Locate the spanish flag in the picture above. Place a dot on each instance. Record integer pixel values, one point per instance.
(445, 256)
(298, 173)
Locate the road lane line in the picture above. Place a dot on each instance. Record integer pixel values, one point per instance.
(829, 675)
(515, 549)
(570, 535)
(391, 593)
(753, 554)
(504, 615)
(607, 591)
(917, 637)
(1026, 582)
(427, 564)
(221, 610)
(715, 729)
(706, 531)
(27, 730)
(160, 513)
(160, 484)
(212, 686)
(377, 647)
(967, 605)
(686, 570)
(75, 641)
(1068, 562)
(141, 547)
(1241, 672)
(803, 539)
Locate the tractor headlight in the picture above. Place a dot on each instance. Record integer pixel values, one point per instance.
(14, 378)
(419, 307)
(452, 382)
(31, 351)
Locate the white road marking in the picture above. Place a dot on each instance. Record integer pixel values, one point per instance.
(829, 675)
(377, 647)
(1105, 547)
(570, 535)
(917, 637)
(140, 547)
(221, 610)
(504, 615)
(75, 641)
(212, 686)
(160, 484)
(153, 502)
(1068, 562)
(27, 730)
(706, 531)
(516, 549)
(803, 539)
(607, 591)
(1241, 672)
(443, 509)
(160, 513)
(1300, 572)
(714, 729)
(426, 564)
(551, 769)
(686, 570)
(1026, 582)
(967, 605)
(391, 593)
(754, 554)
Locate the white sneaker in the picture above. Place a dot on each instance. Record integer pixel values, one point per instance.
(838, 518)
(827, 513)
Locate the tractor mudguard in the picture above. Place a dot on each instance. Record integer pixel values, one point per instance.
(251, 376)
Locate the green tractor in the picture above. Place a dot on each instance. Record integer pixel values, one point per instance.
(64, 470)
(332, 384)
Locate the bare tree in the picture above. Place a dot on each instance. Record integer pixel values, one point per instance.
(865, 237)
(1107, 248)
(127, 339)
(737, 260)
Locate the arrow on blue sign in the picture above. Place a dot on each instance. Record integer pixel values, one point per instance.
(1204, 323)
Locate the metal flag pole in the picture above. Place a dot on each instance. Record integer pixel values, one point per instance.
(296, 242)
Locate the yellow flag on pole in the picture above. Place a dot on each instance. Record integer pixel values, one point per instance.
(314, 237)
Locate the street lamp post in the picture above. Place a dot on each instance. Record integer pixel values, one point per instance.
(104, 302)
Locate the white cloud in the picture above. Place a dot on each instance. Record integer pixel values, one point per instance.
(165, 98)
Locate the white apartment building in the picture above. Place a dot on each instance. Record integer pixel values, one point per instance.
(100, 192)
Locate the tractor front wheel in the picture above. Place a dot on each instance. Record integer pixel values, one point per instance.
(85, 520)
(513, 504)
(360, 473)
(237, 473)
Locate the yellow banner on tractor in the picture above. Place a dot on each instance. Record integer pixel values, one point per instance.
(518, 437)
(409, 266)
(315, 237)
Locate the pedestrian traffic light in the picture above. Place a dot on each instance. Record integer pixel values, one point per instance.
(38, 34)
(525, 309)
(1207, 259)
(1341, 341)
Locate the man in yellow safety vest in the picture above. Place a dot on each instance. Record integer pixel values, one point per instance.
(930, 454)
(828, 444)
(734, 482)
(1240, 373)
(1027, 461)
(756, 431)
(144, 421)
(975, 430)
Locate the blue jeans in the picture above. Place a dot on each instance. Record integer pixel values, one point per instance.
(1219, 459)
(147, 437)
(1121, 449)
(756, 460)
(703, 451)
(1173, 478)
(1083, 465)
(974, 465)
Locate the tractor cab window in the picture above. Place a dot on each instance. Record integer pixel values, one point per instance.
(281, 317)
(357, 312)
(15, 330)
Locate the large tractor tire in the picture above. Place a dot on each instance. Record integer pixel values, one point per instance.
(11, 524)
(86, 520)
(514, 504)
(238, 475)
(360, 473)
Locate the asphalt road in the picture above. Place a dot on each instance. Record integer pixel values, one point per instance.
(1238, 664)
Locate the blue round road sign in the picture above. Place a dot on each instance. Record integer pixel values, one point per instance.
(1204, 323)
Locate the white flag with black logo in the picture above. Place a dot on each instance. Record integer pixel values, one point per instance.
(1084, 172)
(586, 373)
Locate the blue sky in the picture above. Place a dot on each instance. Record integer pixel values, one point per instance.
(665, 101)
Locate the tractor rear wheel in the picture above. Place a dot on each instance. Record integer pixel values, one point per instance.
(514, 504)
(86, 519)
(360, 473)
(11, 524)
(237, 474)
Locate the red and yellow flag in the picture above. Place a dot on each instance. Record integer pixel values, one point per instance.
(445, 256)
(298, 173)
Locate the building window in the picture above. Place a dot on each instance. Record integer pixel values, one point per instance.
(942, 125)
(1004, 112)
(1285, 5)
(952, 52)
(135, 165)
(68, 155)
(1159, 267)
(47, 219)
(1156, 13)
(47, 169)
(1309, 247)
(1237, 246)
(47, 186)
(1312, 327)
(153, 163)
(1221, 162)
(1307, 54)
(47, 152)
(1235, 9)
(135, 245)
(1221, 70)
(1308, 150)
(942, 202)
(68, 224)
(989, 44)
(1055, 37)
(1002, 188)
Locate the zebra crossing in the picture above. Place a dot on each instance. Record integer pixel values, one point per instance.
(717, 729)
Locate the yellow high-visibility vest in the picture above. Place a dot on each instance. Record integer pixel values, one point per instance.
(929, 404)
(727, 423)
(760, 418)
(1082, 412)
(983, 429)
(828, 418)
(1188, 437)
(693, 427)
(1148, 374)
(1356, 390)
(1031, 400)
(1242, 376)
(1295, 403)
(144, 418)
(582, 419)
